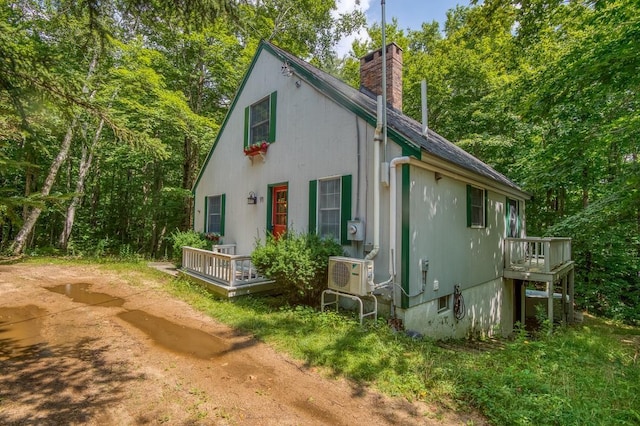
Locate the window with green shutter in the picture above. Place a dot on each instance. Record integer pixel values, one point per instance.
(330, 207)
(513, 218)
(260, 121)
(214, 214)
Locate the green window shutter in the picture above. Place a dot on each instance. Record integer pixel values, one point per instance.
(507, 215)
(269, 209)
(469, 206)
(272, 118)
(313, 206)
(345, 208)
(518, 218)
(206, 215)
(222, 208)
(486, 208)
(247, 117)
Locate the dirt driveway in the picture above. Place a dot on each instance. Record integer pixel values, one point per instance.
(82, 345)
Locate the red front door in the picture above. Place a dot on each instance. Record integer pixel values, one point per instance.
(279, 209)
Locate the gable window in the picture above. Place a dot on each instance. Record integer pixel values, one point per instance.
(260, 121)
(259, 124)
(214, 216)
(477, 203)
(330, 207)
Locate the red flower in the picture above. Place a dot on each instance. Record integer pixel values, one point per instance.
(256, 147)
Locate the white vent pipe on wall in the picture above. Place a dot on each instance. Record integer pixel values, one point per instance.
(393, 223)
(377, 138)
(393, 205)
(384, 77)
(425, 111)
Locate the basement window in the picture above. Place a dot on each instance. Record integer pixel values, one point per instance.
(443, 303)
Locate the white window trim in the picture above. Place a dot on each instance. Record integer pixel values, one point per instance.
(219, 213)
(483, 219)
(318, 215)
(266, 99)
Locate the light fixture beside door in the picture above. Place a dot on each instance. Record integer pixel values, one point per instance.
(252, 198)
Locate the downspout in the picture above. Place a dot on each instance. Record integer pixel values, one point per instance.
(377, 138)
(384, 77)
(393, 223)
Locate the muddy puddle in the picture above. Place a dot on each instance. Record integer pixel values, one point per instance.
(79, 292)
(20, 330)
(169, 335)
(176, 338)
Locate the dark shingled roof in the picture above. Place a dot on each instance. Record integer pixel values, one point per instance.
(405, 126)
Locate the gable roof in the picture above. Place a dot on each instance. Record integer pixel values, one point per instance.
(402, 129)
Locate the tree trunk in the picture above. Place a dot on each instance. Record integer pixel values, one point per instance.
(85, 165)
(188, 177)
(191, 149)
(158, 213)
(585, 188)
(18, 244)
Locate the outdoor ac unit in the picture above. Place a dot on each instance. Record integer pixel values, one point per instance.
(353, 276)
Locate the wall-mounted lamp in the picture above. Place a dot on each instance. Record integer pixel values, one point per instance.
(298, 83)
(285, 70)
(438, 176)
(252, 199)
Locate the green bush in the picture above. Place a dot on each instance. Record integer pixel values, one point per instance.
(189, 238)
(298, 262)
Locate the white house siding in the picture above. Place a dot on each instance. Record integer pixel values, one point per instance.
(318, 138)
(488, 312)
(315, 138)
(457, 255)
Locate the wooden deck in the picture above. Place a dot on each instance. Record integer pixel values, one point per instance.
(224, 274)
(546, 261)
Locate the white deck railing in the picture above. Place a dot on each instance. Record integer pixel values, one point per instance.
(537, 254)
(229, 269)
(224, 248)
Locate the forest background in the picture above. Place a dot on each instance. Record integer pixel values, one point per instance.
(108, 109)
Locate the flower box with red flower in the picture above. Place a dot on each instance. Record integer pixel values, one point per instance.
(256, 148)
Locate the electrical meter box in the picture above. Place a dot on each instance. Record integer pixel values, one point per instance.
(355, 230)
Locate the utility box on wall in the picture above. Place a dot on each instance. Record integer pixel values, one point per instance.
(355, 230)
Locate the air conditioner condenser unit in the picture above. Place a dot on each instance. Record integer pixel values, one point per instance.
(350, 275)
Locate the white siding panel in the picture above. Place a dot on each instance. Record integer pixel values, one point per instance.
(488, 312)
(315, 138)
(438, 232)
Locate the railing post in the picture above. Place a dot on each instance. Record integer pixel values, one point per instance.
(550, 303)
(232, 278)
(570, 290)
(548, 259)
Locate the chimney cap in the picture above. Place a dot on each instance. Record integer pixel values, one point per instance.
(371, 55)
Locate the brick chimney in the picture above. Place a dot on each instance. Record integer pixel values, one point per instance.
(371, 74)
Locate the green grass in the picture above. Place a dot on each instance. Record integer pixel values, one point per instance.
(584, 374)
(587, 374)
